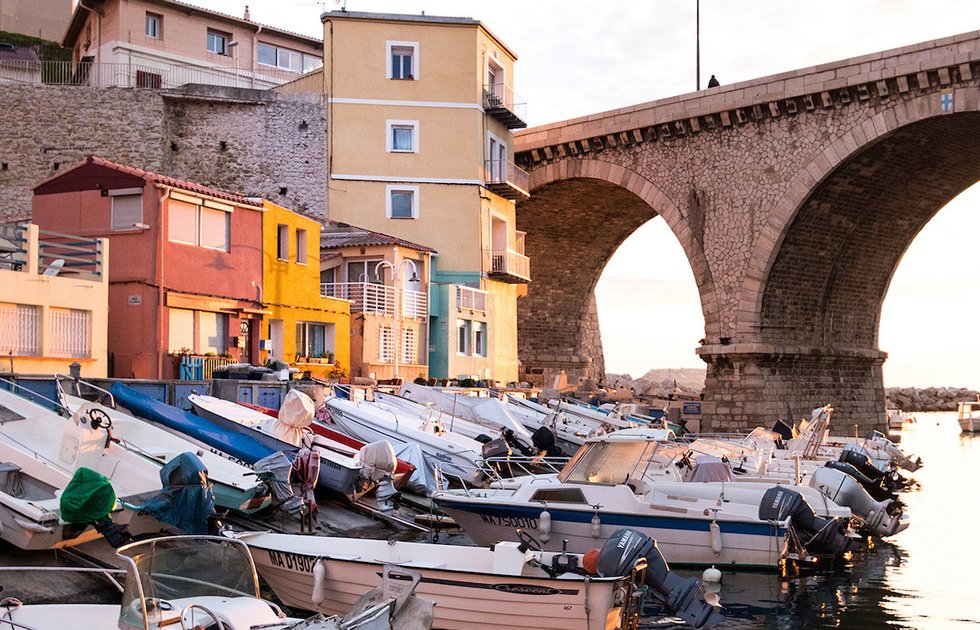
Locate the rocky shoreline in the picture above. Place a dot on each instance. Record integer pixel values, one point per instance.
(928, 398)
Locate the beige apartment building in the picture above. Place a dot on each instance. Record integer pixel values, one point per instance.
(165, 43)
(46, 19)
(421, 113)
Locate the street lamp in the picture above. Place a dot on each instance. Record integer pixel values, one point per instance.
(234, 44)
(396, 277)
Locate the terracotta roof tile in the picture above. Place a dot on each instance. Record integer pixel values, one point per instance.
(337, 235)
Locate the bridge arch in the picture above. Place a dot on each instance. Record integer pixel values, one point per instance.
(558, 324)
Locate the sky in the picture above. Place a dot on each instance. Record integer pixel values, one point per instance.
(577, 58)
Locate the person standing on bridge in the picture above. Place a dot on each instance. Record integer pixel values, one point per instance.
(713, 82)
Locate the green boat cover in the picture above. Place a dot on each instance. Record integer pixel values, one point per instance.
(87, 497)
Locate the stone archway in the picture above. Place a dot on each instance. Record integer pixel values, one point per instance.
(579, 213)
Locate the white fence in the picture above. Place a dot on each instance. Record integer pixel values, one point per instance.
(379, 299)
(20, 330)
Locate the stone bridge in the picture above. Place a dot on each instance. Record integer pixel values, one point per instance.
(794, 197)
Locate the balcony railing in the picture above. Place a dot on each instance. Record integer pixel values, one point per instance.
(378, 299)
(507, 179)
(158, 75)
(23, 247)
(472, 299)
(507, 265)
(500, 101)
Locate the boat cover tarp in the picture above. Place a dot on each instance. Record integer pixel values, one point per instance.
(423, 480)
(295, 414)
(87, 498)
(187, 500)
(711, 468)
(237, 445)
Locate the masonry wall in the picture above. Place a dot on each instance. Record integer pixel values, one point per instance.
(257, 143)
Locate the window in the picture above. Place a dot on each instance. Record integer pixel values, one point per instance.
(19, 334)
(312, 339)
(402, 202)
(479, 339)
(365, 271)
(301, 246)
(70, 332)
(385, 343)
(462, 337)
(181, 329)
(410, 347)
(127, 211)
(403, 136)
(154, 22)
(403, 60)
(197, 225)
(328, 276)
(282, 242)
(215, 229)
(212, 332)
(278, 57)
(218, 42)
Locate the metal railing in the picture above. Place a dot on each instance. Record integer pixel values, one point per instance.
(13, 245)
(472, 299)
(506, 261)
(502, 96)
(20, 330)
(78, 255)
(158, 75)
(506, 172)
(379, 299)
(199, 368)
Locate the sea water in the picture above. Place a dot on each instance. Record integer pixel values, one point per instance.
(924, 578)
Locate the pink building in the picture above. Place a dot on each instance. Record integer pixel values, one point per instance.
(186, 271)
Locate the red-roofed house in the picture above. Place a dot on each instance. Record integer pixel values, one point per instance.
(186, 269)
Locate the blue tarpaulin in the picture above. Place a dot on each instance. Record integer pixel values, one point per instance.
(187, 499)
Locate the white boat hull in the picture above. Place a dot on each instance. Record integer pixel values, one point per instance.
(464, 600)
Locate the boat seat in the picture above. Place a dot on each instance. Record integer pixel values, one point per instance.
(10, 480)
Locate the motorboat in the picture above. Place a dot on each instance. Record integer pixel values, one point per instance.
(612, 482)
(339, 472)
(486, 413)
(342, 443)
(209, 582)
(567, 427)
(968, 415)
(451, 453)
(511, 585)
(41, 452)
(235, 486)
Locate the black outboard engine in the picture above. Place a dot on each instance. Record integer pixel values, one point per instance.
(861, 461)
(819, 535)
(874, 488)
(680, 596)
(783, 429)
(544, 440)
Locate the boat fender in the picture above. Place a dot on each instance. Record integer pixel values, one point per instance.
(714, 531)
(711, 575)
(319, 583)
(37, 528)
(596, 528)
(544, 526)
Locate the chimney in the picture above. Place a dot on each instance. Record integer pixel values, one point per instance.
(248, 14)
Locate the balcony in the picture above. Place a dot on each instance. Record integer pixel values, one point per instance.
(507, 265)
(471, 299)
(507, 180)
(500, 102)
(377, 299)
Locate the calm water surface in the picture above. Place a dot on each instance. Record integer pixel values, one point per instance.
(923, 578)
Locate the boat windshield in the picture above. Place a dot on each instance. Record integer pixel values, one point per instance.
(608, 462)
(179, 567)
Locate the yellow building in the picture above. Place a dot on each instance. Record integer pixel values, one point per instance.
(54, 301)
(421, 112)
(301, 328)
(384, 278)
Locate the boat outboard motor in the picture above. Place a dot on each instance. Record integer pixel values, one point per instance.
(544, 440)
(819, 535)
(910, 463)
(880, 518)
(874, 488)
(862, 461)
(681, 596)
